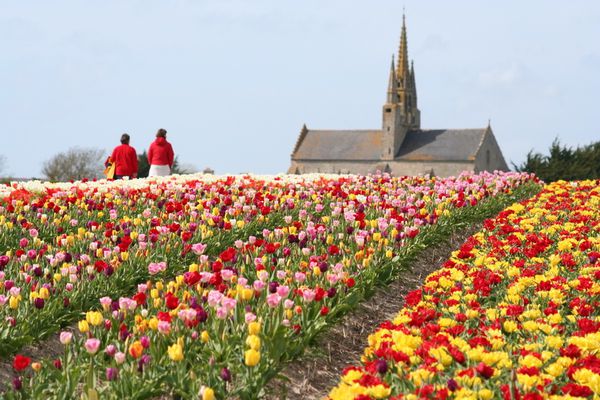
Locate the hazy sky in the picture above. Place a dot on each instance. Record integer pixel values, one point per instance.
(233, 80)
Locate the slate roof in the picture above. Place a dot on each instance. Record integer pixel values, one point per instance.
(441, 145)
(354, 145)
(365, 145)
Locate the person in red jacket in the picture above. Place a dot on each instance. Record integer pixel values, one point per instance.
(160, 155)
(125, 159)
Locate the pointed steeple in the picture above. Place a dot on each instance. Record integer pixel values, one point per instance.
(402, 70)
(404, 114)
(392, 93)
(413, 84)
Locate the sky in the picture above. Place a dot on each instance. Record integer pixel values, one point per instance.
(233, 81)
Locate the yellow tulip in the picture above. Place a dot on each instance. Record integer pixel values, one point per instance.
(153, 323)
(208, 394)
(83, 326)
(175, 352)
(253, 342)
(485, 394)
(94, 317)
(509, 326)
(204, 336)
(247, 293)
(251, 357)
(254, 328)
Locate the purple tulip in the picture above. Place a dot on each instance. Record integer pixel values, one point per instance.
(112, 374)
(452, 385)
(381, 366)
(273, 287)
(225, 374)
(323, 266)
(331, 292)
(38, 303)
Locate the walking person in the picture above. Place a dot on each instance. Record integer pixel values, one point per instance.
(160, 155)
(125, 159)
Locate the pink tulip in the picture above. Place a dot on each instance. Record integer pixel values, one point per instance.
(92, 345)
(273, 300)
(65, 337)
(283, 290)
(287, 304)
(164, 327)
(119, 357)
(198, 248)
(249, 317)
(258, 285)
(105, 302)
(308, 295)
(111, 350)
(221, 312)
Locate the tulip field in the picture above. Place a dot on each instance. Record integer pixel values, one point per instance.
(201, 287)
(513, 314)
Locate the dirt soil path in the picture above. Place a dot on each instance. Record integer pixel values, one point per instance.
(50, 348)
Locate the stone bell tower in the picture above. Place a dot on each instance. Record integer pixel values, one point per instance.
(400, 112)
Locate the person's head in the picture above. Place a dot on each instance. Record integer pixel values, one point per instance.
(125, 138)
(161, 133)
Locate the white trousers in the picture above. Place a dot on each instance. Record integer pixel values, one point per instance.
(159, 170)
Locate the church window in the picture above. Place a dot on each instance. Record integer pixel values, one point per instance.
(388, 110)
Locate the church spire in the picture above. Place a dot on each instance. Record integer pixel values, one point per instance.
(402, 72)
(392, 93)
(413, 84)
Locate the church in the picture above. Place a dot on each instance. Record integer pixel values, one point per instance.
(401, 147)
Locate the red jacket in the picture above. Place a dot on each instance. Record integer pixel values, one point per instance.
(160, 152)
(125, 159)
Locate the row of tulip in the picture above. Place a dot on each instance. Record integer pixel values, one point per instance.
(514, 313)
(239, 309)
(66, 246)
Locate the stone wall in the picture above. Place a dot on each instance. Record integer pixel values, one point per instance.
(396, 168)
(489, 157)
(439, 168)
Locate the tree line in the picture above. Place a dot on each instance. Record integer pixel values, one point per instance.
(85, 163)
(564, 163)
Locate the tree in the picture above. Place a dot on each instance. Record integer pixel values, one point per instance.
(564, 163)
(144, 166)
(75, 164)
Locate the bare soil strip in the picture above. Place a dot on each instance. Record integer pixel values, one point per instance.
(319, 369)
(49, 348)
